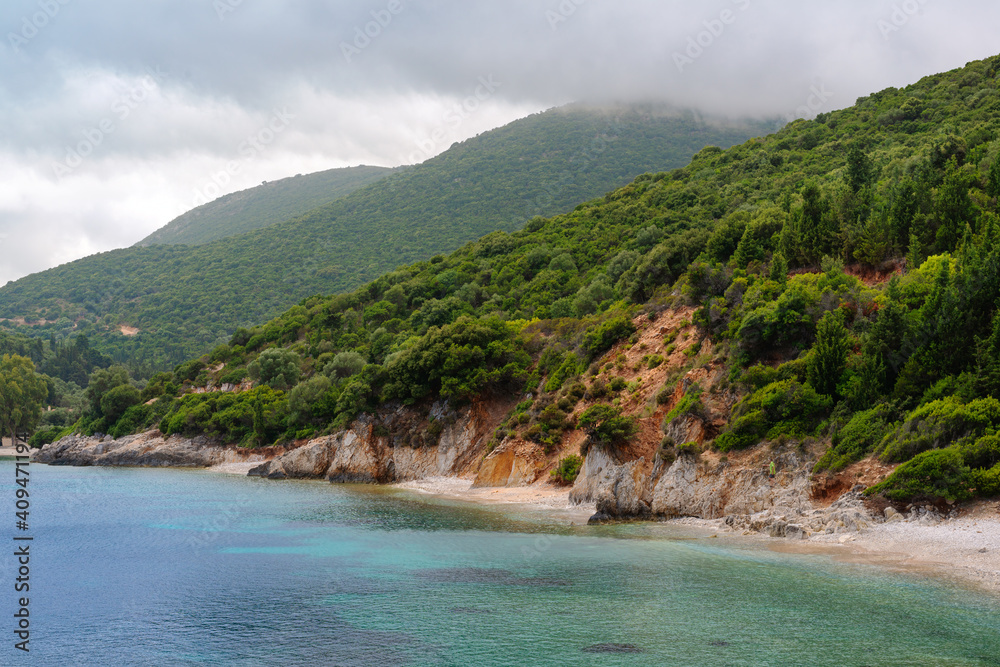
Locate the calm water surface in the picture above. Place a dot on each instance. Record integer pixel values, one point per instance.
(168, 567)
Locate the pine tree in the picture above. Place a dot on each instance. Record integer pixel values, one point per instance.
(955, 208)
(987, 381)
(829, 355)
(779, 269)
(993, 180)
(860, 170)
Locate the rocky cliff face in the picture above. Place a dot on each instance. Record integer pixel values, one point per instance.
(150, 449)
(738, 489)
(381, 448)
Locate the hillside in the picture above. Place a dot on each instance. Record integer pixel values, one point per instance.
(263, 205)
(175, 301)
(829, 291)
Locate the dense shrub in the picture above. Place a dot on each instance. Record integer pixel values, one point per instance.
(602, 337)
(459, 359)
(250, 418)
(780, 408)
(690, 404)
(344, 365)
(44, 436)
(940, 424)
(117, 400)
(857, 439)
(568, 469)
(940, 473)
(277, 367)
(606, 426)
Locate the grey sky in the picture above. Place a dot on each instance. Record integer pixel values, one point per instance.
(119, 115)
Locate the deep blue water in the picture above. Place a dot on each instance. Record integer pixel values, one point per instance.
(169, 567)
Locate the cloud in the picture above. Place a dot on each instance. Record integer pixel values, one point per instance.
(161, 95)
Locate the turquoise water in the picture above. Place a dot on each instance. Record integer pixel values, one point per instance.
(168, 567)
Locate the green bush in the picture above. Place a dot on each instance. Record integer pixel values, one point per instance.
(277, 367)
(344, 365)
(568, 469)
(117, 401)
(602, 337)
(940, 424)
(986, 483)
(459, 359)
(606, 426)
(690, 404)
(780, 408)
(251, 418)
(940, 473)
(688, 449)
(44, 436)
(234, 376)
(617, 383)
(569, 368)
(134, 420)
(857, 439)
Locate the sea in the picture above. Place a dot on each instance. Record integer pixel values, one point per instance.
(179, 567)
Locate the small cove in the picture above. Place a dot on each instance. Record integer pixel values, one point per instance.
(175, 567)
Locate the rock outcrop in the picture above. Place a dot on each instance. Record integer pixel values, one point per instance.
(741, 492)
(150, 449)
(514, 463)
(372, 450)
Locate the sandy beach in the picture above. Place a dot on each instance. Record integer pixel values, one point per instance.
(538, 496)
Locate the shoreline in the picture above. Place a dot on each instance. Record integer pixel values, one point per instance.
(963, 551)
(538, 496)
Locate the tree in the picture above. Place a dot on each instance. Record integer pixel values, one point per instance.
(101, 382)
(117, 400)
(993, 180)
(778, 271)
(988, 362)
(955, 208)
(860, 170)
(829, 355)
(21, 394)
(277, 367)
(815, 231)
(344, 365)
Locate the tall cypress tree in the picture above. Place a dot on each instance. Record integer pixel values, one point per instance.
(829, 355)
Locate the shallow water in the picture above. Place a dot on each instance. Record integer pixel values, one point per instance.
(169, 567)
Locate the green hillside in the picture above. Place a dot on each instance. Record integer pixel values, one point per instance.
(756, 238)
(263, 205)
(184, 300)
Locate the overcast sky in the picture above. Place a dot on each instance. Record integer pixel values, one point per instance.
(119, 115)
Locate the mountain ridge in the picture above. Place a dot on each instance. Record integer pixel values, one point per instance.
(254, 208)
(185, 299)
